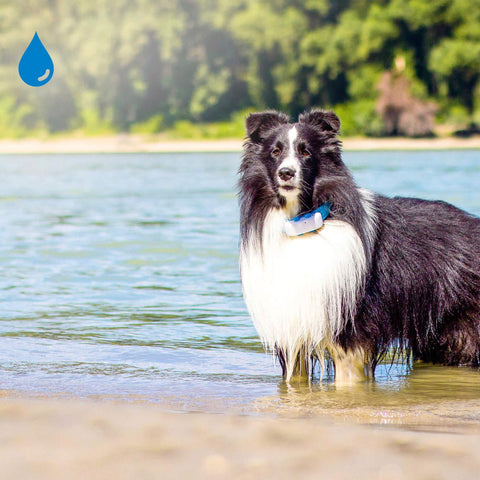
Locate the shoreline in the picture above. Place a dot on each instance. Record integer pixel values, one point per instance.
(77, 439)
(128, 143)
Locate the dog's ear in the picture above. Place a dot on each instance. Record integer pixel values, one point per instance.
(326, 121)
(257, 124)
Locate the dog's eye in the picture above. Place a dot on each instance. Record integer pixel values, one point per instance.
(276, 152)
(303, 151)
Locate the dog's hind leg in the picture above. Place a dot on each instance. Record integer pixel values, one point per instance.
(456, 342)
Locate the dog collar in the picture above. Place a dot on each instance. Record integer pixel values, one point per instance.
(308, 222)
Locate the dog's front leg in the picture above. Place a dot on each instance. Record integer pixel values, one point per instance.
(351, 366)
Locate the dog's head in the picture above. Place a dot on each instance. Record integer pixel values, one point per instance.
(294, 160)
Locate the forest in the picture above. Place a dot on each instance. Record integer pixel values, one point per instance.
(183, 66)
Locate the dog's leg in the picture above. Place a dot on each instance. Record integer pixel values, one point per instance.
(457, 342)
(351, 366)
(302, 366)
(296, 365)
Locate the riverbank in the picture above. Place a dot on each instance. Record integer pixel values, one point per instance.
(57, 439)
(136, 143)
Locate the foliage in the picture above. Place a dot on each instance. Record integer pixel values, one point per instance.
(151, 66)
(233, 128)
(359, 118)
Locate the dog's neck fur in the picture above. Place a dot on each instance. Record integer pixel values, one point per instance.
(292, 207)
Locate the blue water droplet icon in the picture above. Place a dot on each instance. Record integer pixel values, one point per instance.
(36, 66)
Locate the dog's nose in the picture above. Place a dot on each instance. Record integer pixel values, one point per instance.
(286, 173)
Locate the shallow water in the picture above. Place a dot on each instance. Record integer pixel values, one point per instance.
(119, 279)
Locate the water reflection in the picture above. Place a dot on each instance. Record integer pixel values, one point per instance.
(425, 395)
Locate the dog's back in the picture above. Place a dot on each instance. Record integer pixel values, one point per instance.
(424, 283)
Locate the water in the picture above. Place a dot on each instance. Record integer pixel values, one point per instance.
(119, 279)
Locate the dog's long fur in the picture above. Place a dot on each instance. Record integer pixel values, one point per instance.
(381, 272)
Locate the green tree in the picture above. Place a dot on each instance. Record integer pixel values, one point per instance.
(157, 62)
(455, 59)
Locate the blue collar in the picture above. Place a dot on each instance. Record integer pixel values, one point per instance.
(307, 222)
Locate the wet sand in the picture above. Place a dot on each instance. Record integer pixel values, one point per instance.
(135, 143)
(74, 439)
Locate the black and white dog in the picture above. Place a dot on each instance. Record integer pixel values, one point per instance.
(379, 272)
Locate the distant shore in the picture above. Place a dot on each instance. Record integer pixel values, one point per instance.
(127, 143)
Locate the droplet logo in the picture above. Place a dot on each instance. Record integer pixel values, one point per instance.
(35, 67)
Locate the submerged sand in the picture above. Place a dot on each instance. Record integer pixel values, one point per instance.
(136, 143)
(74, 439)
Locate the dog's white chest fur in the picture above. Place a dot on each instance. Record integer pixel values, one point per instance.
(300, 291)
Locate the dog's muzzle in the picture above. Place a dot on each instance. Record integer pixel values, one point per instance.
(288, 181)
(286, 174)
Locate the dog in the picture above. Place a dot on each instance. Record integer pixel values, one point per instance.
(379, 274)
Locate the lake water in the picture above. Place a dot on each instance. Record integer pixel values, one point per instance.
(119, 278)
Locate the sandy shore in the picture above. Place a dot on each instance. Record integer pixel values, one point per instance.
(58, 439)
(135, 143)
